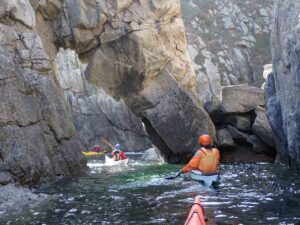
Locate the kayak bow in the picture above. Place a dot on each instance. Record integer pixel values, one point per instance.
(92, 153)
(196, 215)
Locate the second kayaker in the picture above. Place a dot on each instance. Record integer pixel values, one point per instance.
(118, 153)
(206, 159)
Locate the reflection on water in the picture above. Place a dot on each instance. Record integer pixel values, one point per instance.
(138, 194)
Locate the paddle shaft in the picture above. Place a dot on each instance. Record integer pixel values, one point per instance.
(109, 144)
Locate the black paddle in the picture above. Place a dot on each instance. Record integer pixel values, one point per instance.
(173, 176)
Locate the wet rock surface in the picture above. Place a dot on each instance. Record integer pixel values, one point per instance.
(37, 136)
(14, 199)
(282, 89)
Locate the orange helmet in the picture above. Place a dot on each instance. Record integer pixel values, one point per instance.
(205, 139)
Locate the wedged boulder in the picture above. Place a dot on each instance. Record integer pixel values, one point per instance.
(178, 119)
(238, 135)
(262, 128)
(225, 139)
(241, 98)
(240, 122)
(259, 146)
(147, 65)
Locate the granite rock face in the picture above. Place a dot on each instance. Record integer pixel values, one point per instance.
(143, 60)
(283, 86)
(135, 50)
(229, 42)
(37, 136)
(95, 113)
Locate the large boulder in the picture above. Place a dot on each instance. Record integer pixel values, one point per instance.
(241, 98)
(145, 62)
(259, 146)
(225, 139)
(262, 128)
(283, 87)
(241, 122)
(237, 135)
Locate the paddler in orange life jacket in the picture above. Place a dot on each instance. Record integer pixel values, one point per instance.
(206, 159)
(118, 153)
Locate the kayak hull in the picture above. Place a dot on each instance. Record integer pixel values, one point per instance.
(111, 162)
(206, 179)
(196, 214)
(92, 153)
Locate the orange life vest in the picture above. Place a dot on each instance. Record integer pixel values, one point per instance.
(205, 160)
(209, 162)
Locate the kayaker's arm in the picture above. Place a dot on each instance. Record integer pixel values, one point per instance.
(193, 163)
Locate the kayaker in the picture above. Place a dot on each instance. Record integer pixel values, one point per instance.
(118, 153)
(97, 148)
(206, 159)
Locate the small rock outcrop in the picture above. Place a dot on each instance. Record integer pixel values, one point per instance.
(95, 113)
(282, 89)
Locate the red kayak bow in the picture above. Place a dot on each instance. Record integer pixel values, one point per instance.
(196, 215)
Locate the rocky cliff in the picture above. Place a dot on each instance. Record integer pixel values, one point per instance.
(282, 89)
(229, 44)
(95, 113)
(135, 50)
(228, 41)
(143, 60)
(37, 137)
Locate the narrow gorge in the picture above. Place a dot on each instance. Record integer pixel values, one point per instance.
(148, 74)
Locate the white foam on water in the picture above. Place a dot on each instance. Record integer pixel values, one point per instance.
(204, 203)
(220, 216)
(272, 218)
(73, 210)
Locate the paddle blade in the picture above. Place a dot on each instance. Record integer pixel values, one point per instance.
(170, 177)
(173, 176)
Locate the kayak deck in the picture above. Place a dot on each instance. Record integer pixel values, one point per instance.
(206, 179)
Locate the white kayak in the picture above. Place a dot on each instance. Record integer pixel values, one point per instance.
(111, 162)
(206, 179)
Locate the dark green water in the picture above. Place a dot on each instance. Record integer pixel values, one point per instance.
(138, 194)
